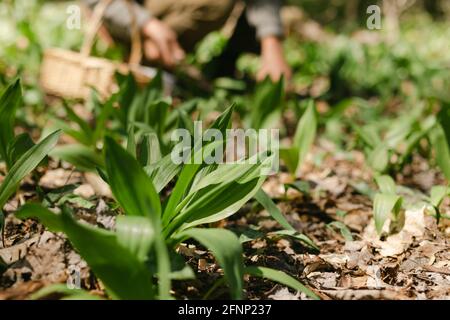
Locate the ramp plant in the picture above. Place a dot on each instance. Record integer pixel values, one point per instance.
(134, 260)
(294, 155)
(387, 204)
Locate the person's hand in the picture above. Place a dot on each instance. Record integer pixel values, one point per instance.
(273, 63)
(161, 45)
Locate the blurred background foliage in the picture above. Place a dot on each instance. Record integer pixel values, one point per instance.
(332, 52)
(338, 13)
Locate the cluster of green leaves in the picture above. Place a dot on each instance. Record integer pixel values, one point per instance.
(390, 143)
(143, 242)
(19, 153)
(140, 115)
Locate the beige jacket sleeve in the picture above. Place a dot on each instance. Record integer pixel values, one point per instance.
(264, 15)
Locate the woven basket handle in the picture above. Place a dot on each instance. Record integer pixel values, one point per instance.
(95, 23)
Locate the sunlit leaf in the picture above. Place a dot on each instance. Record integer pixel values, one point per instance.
(385, 205)
(272, 209)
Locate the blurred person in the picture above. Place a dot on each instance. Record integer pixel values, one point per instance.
(170, 28)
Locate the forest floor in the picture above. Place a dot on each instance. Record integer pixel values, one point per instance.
(412, 264)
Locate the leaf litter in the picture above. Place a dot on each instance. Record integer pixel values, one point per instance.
(412, 264)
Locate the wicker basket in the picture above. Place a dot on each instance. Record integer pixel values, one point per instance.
(71, 74)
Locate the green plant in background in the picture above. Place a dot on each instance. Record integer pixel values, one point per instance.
(305, 134)
(266, 103)
(437, 196)
(28, 27)
(142, 117)
(387, 204)
(390, 151)
(442, 149)
(440, 138)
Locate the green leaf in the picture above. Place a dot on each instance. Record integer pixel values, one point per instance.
(156, 115)
(101, 119)
(82, 124)
(280, 277)
(131, 142)
(78, 135)
(21, 144)
(123, 274)
(303, 140)
(82, 157)
(438, 194)
(444, 120)
(180, 270)
(162, 172)
(136, 194)
(183, 182)
(154, 88)
(209, 205)
(386, 184)
(9, 102)
(413, 141)
(228, 251)
(136, 234)
(268, 98)
(55, 195)
(126, 95)
(149, 151)
(272, 209)
(368, 134)
(76, 200)
(306, 132)
(290, 157)
(441, 145)
(250, 235)
(223, 122)
(132, 188)
(383, 206)
(301, 186)
(181, 110)
(25, 164)
(378, 158)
